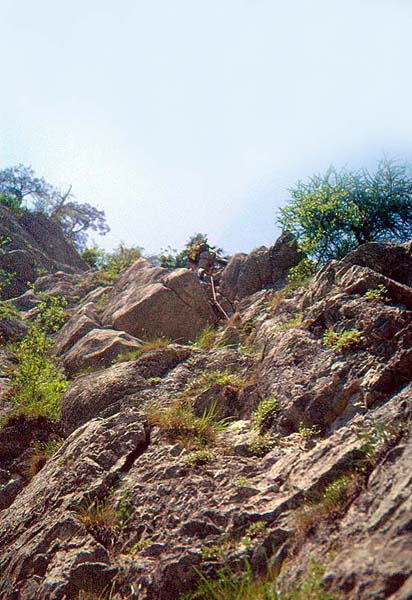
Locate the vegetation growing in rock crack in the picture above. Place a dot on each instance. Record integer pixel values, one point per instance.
(376, 295)
(179, 423)
(264, 412)
(147, 346)
(342, 340)
(214, 377)
(39, 455)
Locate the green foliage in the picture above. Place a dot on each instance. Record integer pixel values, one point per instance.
(37, 382)
(293, 322)
(94, 256)
(199, 457)
(121, 258)
(170, 258)
(8, 312)
(309, 586)
(307, 433)
(375, 436)
(377, 294)
(12, 203)
(342, 340)
(301, 274)
(206, 340)
(332, 214)
(211, 378)
(147, 346)
(264, 412)
(180, 424)
(259, 445)
(19, 185)
(6, 277)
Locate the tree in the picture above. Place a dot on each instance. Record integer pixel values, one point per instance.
(330, 215)
(170, 258)
(19, 185)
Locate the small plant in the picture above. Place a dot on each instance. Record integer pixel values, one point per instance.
(199, 457)
(211, 378)
(154, 380)
(206, 340)
(343, 340)
(377, 294)
(99, 518)
(307, 433)
(301, 274)
(242, 481)
(8, 312)
(147, 346)
(40, 454)
(290, 324)
(143, 543)
(259, 445)
(253, 531)
(101, 302)
(375, 437)
(51, 313)
(309, 586)
(264, 412)
(180, 424)
(124, 511)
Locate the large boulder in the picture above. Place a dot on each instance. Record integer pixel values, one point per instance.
(149, 302)
(98, 348)
(264, 267)
(34, 244)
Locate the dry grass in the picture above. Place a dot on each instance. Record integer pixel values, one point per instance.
(147, 346)
(39, 455)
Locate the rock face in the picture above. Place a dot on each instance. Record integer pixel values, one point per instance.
(34, 244)
(148, 302)
(248, 273)
(311, 462)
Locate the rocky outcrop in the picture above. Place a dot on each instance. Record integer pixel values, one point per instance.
(33, 244)
(263, 268)
(149, 302)
(311, 460)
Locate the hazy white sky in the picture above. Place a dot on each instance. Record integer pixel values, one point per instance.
(191, 115)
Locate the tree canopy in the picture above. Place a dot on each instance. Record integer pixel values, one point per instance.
(332, 214)
(21, 189)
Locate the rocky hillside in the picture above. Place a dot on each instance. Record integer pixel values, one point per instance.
(32, 244)
(197, 457)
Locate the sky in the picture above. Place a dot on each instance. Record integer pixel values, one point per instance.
(186, 116)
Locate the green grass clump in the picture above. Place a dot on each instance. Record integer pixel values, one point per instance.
(309, 586)
(147, 346)
(211, 378)
(264, 411)
(179, 423)
(342, 340)
(293, 322)
(40, 454)
(206, 340)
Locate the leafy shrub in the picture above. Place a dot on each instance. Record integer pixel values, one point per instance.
(307, 433)
(343, 340)
(259, 445)
(199, 457)
(377, 294)
(264, 412)
(37, 382)
(301, 274)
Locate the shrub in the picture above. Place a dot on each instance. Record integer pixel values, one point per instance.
(263, 413)
(259, 445)
(9, 312)
(343, 340)
(301, 274)
(377, 294)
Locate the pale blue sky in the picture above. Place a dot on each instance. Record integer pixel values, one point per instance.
(188, 115)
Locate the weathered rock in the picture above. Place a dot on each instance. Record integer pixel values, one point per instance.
(74, 330)
(97, 349)
(34, 243)
(105, 392)
(149, 302)
(248, 273)
(52, 544)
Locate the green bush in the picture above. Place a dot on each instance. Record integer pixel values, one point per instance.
(343, 340)
(264, 412)
(376, 295)
(301, 274)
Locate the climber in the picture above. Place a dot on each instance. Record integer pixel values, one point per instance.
(202, 260)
